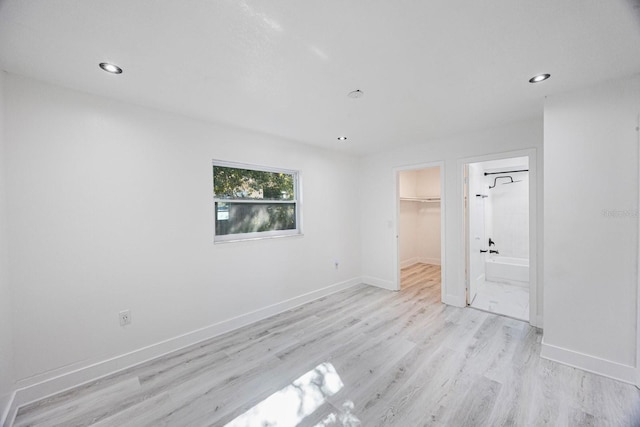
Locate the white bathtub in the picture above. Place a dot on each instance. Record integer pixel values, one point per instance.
(507, 269)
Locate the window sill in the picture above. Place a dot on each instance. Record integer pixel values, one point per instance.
(252, 239)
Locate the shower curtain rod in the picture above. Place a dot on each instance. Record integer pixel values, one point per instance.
(498, 173)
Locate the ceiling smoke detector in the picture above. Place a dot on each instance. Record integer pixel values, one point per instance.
(356, 94)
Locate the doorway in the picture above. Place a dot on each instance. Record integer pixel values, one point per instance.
(497, 240)
(420, 227)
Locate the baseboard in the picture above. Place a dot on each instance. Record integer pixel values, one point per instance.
(380, 283)
(32, 392)
(454, 300)
(6, 409)
(419, 260)
(596, 365)
(409, 262)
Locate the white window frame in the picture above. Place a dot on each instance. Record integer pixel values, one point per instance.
(239, 237)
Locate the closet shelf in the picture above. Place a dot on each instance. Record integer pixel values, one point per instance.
(422, 199)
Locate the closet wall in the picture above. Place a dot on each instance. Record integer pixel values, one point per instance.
(419, 217)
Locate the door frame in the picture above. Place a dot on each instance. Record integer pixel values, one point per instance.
(396, 217)
(638, 270)
(471, 275)
(535, 258)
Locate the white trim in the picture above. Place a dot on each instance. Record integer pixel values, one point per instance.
(256, 201)
(6, 406)
(535, 319)
(64, 381)
(275, 234)
(241, 165)
(596, 365)
(637, 382)
(379, 283)
(296, 202)
(396, 215)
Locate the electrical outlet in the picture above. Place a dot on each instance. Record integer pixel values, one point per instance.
(125, 317)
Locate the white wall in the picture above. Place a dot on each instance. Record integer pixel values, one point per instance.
(110, 208)
(591, 227)
(428, 227)
(6, 334)
(408, 221)
(408, 236)
(378, 204)
(407, 182)
(507, 210)
(419, 222)
(428, 182)
(510, 218)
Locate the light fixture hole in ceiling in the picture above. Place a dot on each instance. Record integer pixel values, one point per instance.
(110, 68)
(342, 138)
(539, 78)
(355, 94)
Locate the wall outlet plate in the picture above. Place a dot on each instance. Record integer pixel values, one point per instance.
(125, 317)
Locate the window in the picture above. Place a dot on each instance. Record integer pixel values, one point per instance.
(254, 202)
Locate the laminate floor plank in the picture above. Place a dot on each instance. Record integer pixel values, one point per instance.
(373, 400)
(418, 393)
(476, 406)
(63, 414)
(361, 357)
(139, 414)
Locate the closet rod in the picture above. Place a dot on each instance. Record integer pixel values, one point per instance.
(498, 173)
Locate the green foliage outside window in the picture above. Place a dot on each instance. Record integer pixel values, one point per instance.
(234, 183)
(254, 201)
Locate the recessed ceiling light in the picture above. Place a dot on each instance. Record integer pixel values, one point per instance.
(356, 94)
(110, 68)
(539, 78)
(342, 138)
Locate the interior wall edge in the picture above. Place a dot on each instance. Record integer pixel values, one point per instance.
(589, 363)
(7, 385)
(455, 300)
(44, 387)
(589, 129)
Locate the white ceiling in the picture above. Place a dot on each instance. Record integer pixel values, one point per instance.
(428, 68)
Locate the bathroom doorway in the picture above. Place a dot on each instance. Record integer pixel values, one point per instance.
(419, 227)
(497, 240)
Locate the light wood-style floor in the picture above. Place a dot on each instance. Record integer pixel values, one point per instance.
(361, 357)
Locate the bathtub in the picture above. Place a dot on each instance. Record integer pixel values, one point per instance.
(507, 270)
